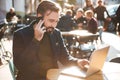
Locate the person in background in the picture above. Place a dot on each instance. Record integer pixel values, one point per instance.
(11, 15)
(39, 46)
(80, 19)
(66, 22)
(99, 12)
(118, 18)
(73, 10)
(2, 15)
(88, 6)
(92, 25)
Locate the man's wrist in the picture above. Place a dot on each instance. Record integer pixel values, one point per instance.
(36, 41)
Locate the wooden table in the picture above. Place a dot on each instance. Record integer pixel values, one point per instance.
(110, 71)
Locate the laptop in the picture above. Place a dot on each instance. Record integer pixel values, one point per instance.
(97, 60)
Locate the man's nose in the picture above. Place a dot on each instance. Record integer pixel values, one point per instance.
(54, 24)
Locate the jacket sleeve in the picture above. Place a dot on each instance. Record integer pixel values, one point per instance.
(25, 56)
(118, 14)
(64, 57)
(107, 12)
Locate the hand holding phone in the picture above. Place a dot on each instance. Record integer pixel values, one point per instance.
(48, 29)
(39, 29)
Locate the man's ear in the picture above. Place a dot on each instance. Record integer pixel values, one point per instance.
(39, 15)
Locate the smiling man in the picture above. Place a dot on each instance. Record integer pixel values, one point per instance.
(38, 47)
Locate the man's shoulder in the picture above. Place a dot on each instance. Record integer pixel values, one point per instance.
(24, 29)
(103, 7)
(57, 30)
(94, 19)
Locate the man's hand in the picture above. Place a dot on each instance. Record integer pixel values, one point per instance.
(39, 30)
(82, 63)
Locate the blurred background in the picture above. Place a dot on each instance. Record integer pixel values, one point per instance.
(28, 7)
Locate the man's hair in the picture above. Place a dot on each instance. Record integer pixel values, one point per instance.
(80, 10)
(47, 5)
(89, 13)
(68, 12)
(12, 9)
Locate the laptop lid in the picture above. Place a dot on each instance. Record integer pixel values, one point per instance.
(97, 60)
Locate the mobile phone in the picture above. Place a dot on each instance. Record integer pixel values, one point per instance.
(38, 19)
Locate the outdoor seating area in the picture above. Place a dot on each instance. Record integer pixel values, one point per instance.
(59, 39)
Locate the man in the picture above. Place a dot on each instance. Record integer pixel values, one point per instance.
(92, 25)
(88, 6)
(118, 18)
(11, 15)
(66, 22)
(99, 11)
(38, 47)
(80, 19)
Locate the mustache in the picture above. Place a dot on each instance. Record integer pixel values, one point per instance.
(49, 29)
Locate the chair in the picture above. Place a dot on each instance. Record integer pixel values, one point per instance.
(11, 67)
(116, 60)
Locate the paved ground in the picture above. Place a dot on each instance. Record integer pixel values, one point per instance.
(5, 69)
(108, 39)
(5, 73)
(114, 42)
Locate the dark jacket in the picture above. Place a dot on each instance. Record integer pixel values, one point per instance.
(66, 23)
(118, 14)
(9, 16)
(92, 26)
(118, 17)
(99, 10)
(25, 53)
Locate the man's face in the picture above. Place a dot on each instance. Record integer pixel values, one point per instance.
(11, 10)
(100, 3)
(79, 14)
(51, 19)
